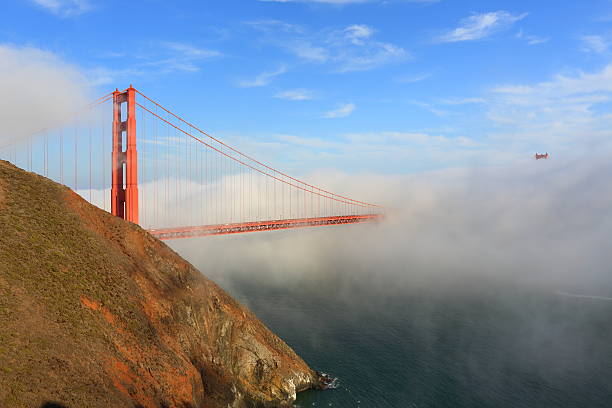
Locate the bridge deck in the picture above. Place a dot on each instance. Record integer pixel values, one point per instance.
(236, 228)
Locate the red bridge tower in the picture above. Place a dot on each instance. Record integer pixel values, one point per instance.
(124, 191)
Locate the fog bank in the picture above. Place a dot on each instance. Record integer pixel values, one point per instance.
(544, 223)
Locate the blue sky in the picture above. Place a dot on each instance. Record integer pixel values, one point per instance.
(394, 86)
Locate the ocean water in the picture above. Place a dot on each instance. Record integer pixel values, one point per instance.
(465, 342)
(485, 345)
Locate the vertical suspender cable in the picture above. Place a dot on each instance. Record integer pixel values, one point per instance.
(75, 161)
(89, 134)
(46, 154)
(142, 168)
(155, 174)
(167, 188)
(103, 150)
(62, 156)
(205, 206)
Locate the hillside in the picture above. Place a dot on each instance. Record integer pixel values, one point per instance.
(95, 312)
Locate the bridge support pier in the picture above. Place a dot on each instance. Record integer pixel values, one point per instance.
(124, 190)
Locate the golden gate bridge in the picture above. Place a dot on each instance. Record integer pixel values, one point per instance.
(129, 155)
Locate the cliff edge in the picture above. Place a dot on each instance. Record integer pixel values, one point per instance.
(95, 312)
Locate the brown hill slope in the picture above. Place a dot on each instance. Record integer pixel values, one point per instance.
(95, 312)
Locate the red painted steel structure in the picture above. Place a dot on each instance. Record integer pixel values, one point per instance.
(236, 228)
(124, 191)
(242, 227)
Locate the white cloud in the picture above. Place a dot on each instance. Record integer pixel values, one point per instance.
(191, 51)
(410, 79)
(102, 76)
(341, 112)
(318, 1)
(160, 58)
(295, 95)
(271, 25)
(155, 59)
(429, 107)
(595, 43)
(343, 2)
(309, 52)
(531, 39)
(566, 113)
(352, 48)
(567, 116)
(462, 101)
(179, 57)
(65, 8)
(403, 150)
(309, 142)
(44, 91)
(262, 79)
(580, 83)
(478, 26)
(357, 33)
(166, 57)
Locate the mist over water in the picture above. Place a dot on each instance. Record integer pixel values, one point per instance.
(483, 287)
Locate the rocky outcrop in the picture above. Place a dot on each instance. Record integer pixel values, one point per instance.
(95, 312)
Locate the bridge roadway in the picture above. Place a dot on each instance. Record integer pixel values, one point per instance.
(236, 228)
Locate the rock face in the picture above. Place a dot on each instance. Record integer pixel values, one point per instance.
(95, 312)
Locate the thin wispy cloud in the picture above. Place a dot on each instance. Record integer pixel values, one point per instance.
(565, 85)
(410, 79)
(341, 112)
(337, 2)
(377, 141)
(358, 33)
(273, 26)
(344, 2)
(102, 76)
(188, 50)
(64, 8)
(531, 39)
(178, 57)
(315, 143)
(568, 112)
(462, 101)
(352, 48)
(262, 79)
(419, 148)
(307, 51)
(479, 26)
(596, 44)
(430, 108)
(158, 58)
(295, 95)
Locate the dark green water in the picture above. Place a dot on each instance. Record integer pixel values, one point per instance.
(401, 333)
(480, 345)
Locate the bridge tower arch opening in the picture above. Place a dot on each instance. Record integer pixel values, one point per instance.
(124, 190)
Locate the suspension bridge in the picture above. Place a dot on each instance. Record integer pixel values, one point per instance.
(129, 155)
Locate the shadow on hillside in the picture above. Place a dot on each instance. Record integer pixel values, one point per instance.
(51, 404)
